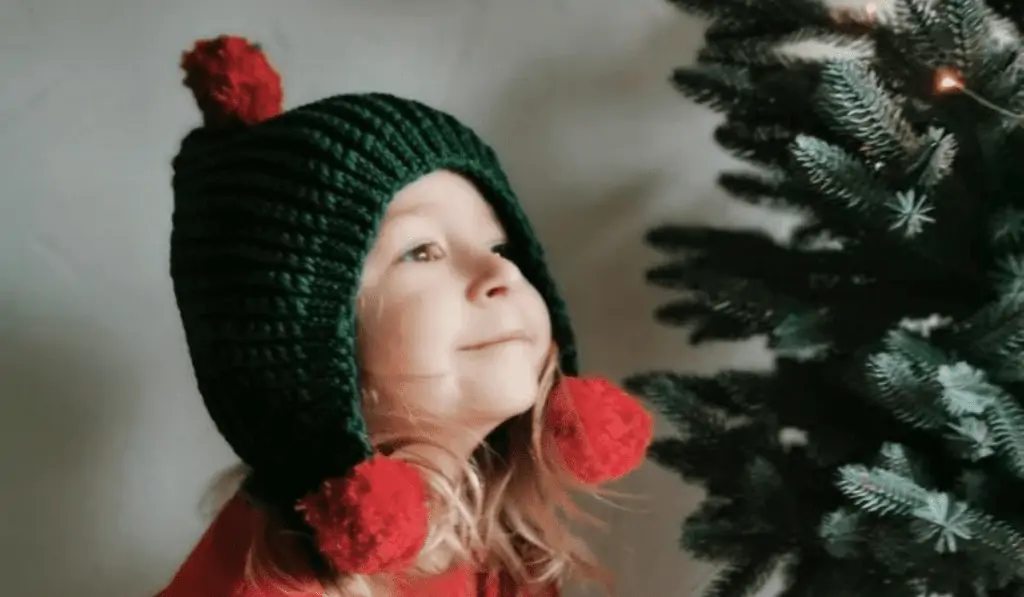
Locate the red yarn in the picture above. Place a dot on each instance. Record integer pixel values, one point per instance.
(233, 81)
(373, 520)
(602, 433)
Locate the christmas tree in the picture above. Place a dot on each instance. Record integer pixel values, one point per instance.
(883, 453)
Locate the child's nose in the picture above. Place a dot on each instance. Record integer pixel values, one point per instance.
(496, 279)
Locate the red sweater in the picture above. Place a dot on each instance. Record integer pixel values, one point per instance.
(216, 566)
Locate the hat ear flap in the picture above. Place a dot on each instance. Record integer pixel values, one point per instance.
(601, 432)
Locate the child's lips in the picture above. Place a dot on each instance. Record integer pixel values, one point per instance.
(498, 341)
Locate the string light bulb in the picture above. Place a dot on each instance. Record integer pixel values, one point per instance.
(948, 80)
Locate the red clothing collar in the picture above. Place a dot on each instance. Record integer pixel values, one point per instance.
(216, 566)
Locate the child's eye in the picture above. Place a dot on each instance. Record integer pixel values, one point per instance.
(501, 249)
(423, 253)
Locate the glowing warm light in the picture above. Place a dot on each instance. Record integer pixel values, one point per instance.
(947, 79)
(871, 9)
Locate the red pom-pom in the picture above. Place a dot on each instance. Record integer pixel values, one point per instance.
(373, 520)
(601, 432)
(233, 81)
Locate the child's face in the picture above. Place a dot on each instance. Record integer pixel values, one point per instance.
(451, 335)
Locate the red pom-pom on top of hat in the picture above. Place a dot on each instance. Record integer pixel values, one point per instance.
(232, 80)
(601, 432)
(373, 520)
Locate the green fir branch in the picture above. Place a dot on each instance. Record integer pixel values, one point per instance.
(882, 492)
(946, 523)
(855, 102)
(716, 532)
(838, 175)
(683, 313)
(965, 389)
(1009, 278)
(969, 33)
(937, 516)
(840, 530)
(1011, 82)
(913, 29)
(724, 290)
(674, 239)
(901, 389)
(743, 577)
(1007, 227)
(1005, 419)
(678, 398)
(770, 188)
(934, 160)
(995, 336)
(688, 313)
(690, 459)
(897, 458)
(923, 354)
(734, 393)
(802, 336)
(754, 187)
(896, 549)
(724, 328)
(751, 254)
(911, 213)
(1000, 541)
(712, 457)
(766, 145)
(973, 438)
(719, 87)
(720, 540)
(771, 49)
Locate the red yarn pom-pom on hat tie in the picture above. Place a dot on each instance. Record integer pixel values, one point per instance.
(601, 432)
(233, 82)
(372, 520)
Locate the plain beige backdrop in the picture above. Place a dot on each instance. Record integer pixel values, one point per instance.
(105, 449)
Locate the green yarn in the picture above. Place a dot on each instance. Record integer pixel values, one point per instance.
(271, 226)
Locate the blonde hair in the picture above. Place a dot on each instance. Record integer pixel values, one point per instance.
(506, 513)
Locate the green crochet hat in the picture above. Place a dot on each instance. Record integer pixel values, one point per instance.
(274, 215)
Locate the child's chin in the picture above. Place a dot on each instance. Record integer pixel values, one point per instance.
(507, 401)
(507, 404)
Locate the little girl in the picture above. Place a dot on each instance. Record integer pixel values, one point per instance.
(375, 333)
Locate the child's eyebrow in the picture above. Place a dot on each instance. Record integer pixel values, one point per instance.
(412, 204)
(399, 221)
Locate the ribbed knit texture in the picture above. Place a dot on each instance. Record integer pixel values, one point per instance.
(272, 224)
